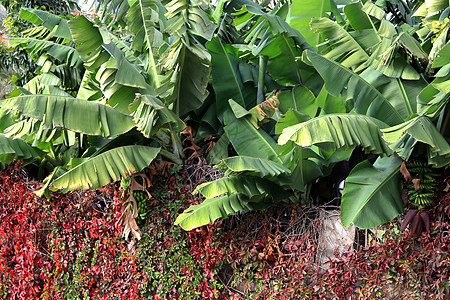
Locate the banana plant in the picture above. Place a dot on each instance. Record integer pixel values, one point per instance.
(366, 75)
(257, 178)
(104, 105)
(383, 84)
(92, 124)
(286, 92)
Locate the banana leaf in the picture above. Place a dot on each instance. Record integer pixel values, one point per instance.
(188, 69)
(300, 99)
(371, 194)
(418, 129)
(191, 17)
(263, 167)
(368, 100)
(443, 56)
(48, 20)
(226, 78)
(302, 12)
(341, 46)
(118, 78)
(357, 18)
(70, 113)
(401, 93)
(334, 131)
(152, 114)
(63, 53)
(209, 210)
(229, 195)
(15, 148)
(106, 168)
(249, 186)
(142, 18)
(249, 141)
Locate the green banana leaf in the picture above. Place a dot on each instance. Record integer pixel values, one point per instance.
(209, 210)
(304, 170)
(187, 75)
(89, 90)
(411, 45)
(186, 63)
(271, 37)
(229, 195)
(15, 148)
(284, 63)
(301, 13)
(357, 18)
(142, 18)
(219, 151)
(431, 101)
(334, 131)
(128, 74)
(421, 11)
(63, 53)
(239, 111)
(48, 20)
(227, 80)
(300, 99)
(44, 190)
(192, 17)
(87, 37)
(290, 118)
(330, 104)
(419, 129)
(115, 8)
(262, 167)
(438, 45)
(152, 114)
(70, 113)
(32, 131)
(106, 167)
(386, 56)
(431, 7)
(341, 46)
(264, 22)
(249, 186)
(402, 94)
(373, 10)
(249, 141)
(118, 78)
(371, 195)
(6, 119)
(442, 84)
(98, 144)
(443, 56)
(368, 100)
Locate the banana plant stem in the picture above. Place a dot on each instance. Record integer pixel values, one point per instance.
(261, 78)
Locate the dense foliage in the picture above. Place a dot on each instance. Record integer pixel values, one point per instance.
(278, 97)
(69, 247)
(287, 98)
(15, 64)
(66, 247)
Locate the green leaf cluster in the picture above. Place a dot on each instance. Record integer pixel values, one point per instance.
(285, 90)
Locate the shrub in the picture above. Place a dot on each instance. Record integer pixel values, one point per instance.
(272, 261)
(67, 247)
(178, 265)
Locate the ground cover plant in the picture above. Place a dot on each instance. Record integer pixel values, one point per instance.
(70, 247)
(66, 247)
